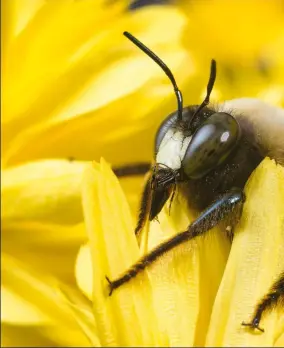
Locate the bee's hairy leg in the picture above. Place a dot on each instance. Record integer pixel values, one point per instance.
(145, 205)
(110, 286)
(132, 169)
(229, 203)
(273, 298)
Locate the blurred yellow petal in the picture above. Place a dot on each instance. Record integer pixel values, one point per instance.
(44, 191)
(23, 336)
(233, 31)
(49, 54)
(45, 246)
(21, 283)
(15, 14)
(37, 234)
(30, 298)
(113, 248)
(94, 115)
(82, 311)
(66, 336)
(256, 259)
(13, 306)
(280, 341)
(249, 54)
(43, 336)
(23, 13)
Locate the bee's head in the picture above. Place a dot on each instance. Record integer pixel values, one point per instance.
(191, 142)
(193, 149)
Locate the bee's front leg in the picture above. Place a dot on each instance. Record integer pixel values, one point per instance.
(227, 204)
(145, 206)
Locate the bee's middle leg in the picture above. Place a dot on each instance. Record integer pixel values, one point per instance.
(133, 169)
(273, 298)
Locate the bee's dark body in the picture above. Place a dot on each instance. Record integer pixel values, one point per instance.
(233, 173)
(208, 155)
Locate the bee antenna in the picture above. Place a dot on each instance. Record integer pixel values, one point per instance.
(210, 86)
(167, 71)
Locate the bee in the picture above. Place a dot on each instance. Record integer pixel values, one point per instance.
(209, 155)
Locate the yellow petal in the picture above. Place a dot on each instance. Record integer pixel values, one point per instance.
(84, 271)
(185, 280)
(132, 187)
(227, 34)
(260, 58)
(44, 246)
(43, 191)
(65, 336)
(91, 116)
(23, 13)
(48, 41)
(84, 274)
(280, 341)
(23, 336)
(82, 311)
(15, 14)
(16, 308)
(256, 259)
(113, 249)
(43, 336)
(29, 296)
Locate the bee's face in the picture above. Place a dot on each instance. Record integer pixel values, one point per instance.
(190, 142)
(195, 149)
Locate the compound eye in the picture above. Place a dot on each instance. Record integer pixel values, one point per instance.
(211, 144)
(164, 127)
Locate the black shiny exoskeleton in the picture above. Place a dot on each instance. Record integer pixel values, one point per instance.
(209, 155)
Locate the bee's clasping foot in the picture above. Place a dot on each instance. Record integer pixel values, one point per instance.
(111, 287)
(253, 325)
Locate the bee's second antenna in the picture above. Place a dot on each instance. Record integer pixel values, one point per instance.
(210, 85)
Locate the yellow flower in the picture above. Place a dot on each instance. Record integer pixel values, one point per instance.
(74, 87)
(246, 37)
(239, 30)
(69, 81)
(72, 93)
(195, 295)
